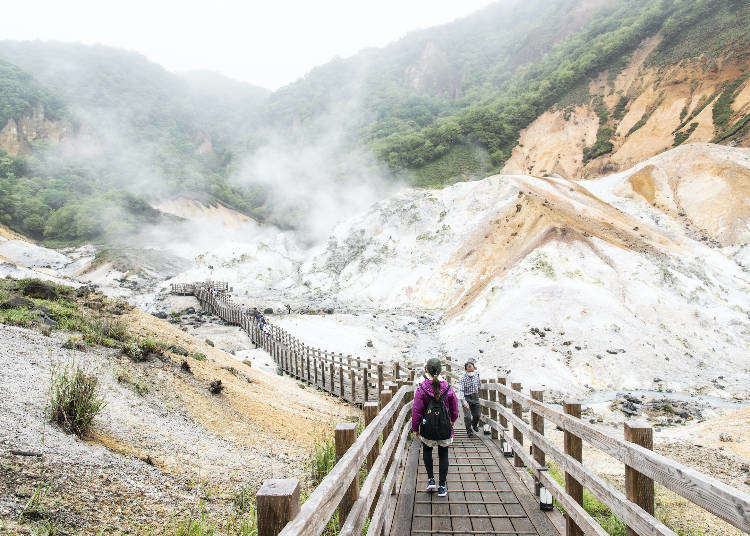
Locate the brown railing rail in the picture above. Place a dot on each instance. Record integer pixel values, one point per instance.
(351, 378)
(643, 466)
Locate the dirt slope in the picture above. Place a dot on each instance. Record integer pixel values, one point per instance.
(659, 100)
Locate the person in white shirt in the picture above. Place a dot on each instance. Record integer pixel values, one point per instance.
(468, 396)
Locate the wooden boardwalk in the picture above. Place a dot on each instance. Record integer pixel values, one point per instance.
(485, 495)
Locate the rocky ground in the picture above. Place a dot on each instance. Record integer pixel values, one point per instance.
(163, 447)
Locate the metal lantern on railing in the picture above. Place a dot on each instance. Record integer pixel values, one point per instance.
(507, 450)
(545, 497)
(486, 429)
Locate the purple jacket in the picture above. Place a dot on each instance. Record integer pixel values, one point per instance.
(421, 398)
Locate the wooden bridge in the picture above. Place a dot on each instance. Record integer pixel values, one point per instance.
(496, 484)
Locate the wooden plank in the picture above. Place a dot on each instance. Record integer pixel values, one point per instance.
(402, 520)
(574, 448)
(356, 519)
(638, 487)
(632, 514)
(728, 503)
(581, 517)
(378, 517)
(319, 507)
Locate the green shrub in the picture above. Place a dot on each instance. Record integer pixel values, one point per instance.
(198, 356)
(681, 137)
(74, 399)
(722, 109)
(323, 460)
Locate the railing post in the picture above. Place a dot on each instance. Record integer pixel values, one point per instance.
(306, 350)
(365, 385)
(332, 374)
(345, 434)
(380, 377)
(353, 386)
(517, 434)
(341, 382)
(638, 487)
(371, 411)
(503, 401)
(574, 448)
(385, 397)
(537, 423)
(396, 371)
(315, 366)
(323, 372)
(277, 502)
(493, 412)
(483, 395)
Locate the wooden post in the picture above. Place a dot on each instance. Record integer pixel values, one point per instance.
(448, 366)
(345, 434)
(412, 372)
(574, 448)
(517, 434)
(332, 374)
(503, 401)
(483, 396)
(353, 386)
(323, 373)
(365, 384)
(371, 411)
(394, 388)
(306, 350)
(537, 423)
(493, 412)
(315, 367)
(277, 502)
(396, 370)
(385, 397)
(380, 377)
(341, 382)
(638, 487)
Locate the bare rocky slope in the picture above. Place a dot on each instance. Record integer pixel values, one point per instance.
(634, 281)
(660, 106)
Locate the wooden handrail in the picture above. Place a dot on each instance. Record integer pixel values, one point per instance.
(630, 513)
(722, 500)
(575, 510)
(356, 518)
(320, 506)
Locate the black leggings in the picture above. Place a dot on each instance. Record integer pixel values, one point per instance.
(443, 458)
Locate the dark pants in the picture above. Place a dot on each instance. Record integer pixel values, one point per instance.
(471, 416)
(443, 459)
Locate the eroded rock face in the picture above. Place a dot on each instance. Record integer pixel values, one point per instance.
(705, 185)
(16, 136)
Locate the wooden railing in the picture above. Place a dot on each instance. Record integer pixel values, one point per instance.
(279, 512)
(643, 467)
(351, 378)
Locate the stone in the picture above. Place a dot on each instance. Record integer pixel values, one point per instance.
(17, 303)
(209, 342)
(161, 314)
(40, 290)
(726, 438)
(216, 387)
(179, 350)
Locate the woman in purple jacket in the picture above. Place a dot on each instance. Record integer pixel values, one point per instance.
(422, 395)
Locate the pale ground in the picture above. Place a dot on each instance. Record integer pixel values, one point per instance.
(198, 445)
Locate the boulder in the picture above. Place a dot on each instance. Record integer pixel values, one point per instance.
(40, 290)
(17, 302)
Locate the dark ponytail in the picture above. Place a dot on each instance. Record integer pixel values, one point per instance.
(433, 368)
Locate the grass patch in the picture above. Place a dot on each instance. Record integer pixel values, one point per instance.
(681, 137)
(323, 460)
(595, 508)
(198, 356)
(74, 399)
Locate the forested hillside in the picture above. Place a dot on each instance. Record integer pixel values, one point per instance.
(436, 102)
(439, 105)
(140, 133)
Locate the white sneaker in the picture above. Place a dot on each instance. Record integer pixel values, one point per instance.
(431, 485)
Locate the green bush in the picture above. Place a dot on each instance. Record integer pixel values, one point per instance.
(323, 460)
(74, 399)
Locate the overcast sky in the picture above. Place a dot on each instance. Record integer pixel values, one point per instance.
(269, 43)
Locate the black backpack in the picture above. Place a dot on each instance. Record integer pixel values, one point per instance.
(436, 423)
